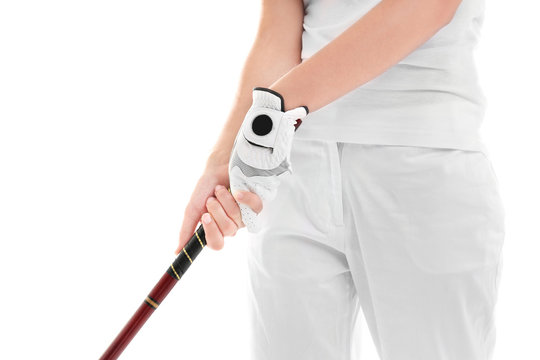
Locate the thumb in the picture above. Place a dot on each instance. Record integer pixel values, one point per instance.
(250, 199)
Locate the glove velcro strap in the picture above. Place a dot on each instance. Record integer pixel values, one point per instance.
(268, 98)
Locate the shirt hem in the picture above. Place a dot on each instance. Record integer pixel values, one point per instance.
(461, 141)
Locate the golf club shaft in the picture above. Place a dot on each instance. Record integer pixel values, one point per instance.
(174, 273)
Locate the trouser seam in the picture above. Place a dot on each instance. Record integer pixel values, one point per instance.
(336, 184)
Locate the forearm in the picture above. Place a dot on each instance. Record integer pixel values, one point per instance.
(275, 51)
(377, 41)
(260, 57)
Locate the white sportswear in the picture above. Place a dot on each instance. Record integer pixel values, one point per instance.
(430, 98)
(411, 236)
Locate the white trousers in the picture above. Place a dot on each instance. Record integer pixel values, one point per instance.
(410, 235)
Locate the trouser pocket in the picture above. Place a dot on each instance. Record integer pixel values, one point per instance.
(454, 210)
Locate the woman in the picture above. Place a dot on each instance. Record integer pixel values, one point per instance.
(392, 206)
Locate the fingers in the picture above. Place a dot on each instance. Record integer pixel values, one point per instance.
(227, 226)
(214, 238)
(223, 217)
(229, 204)
(250, 199)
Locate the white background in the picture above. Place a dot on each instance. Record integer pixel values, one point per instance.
(107, 112)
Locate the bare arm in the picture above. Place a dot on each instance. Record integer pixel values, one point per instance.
(377, 41)
(275, 51)
(380, 39)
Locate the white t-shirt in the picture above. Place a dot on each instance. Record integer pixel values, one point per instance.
(430, 98)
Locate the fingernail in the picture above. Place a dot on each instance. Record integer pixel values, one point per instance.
(239, 195)
(219, 187)
(206, 218)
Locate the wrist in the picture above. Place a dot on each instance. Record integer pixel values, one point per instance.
(267, 112)
(218, 157)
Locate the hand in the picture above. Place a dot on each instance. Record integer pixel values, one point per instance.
(215, 173)
(262, 147)
(223, 217)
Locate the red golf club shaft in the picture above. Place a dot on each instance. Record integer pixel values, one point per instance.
(174, 273)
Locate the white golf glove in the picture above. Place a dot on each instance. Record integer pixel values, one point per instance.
(262, 148)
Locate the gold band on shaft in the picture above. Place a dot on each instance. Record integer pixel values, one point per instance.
(185, 252)
(200, 241)
(151, 302)
(174, 271)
